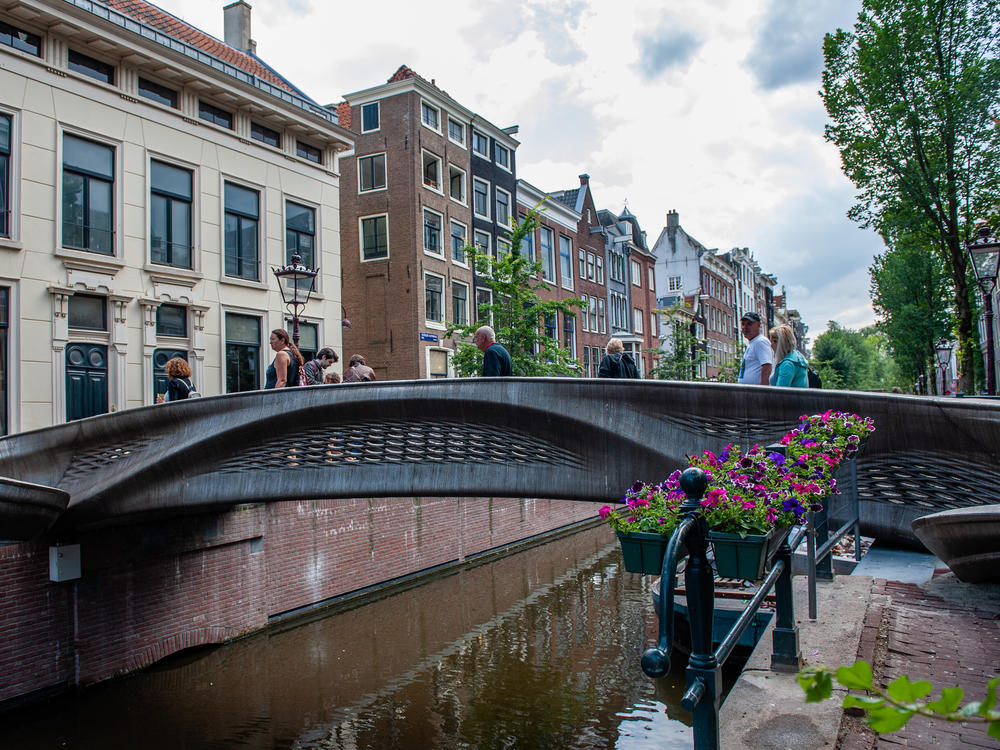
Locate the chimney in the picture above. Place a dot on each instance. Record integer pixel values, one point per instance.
(585, 179)
(673, 219)
(236, 22)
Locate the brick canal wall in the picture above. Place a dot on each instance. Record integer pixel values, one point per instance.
(152, 590)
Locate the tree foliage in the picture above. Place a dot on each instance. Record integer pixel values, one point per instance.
(516, 313)
(855, 360)
(912, 94)
(684, 354)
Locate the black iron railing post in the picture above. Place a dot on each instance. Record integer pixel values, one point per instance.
(785, 656)
(821, 525)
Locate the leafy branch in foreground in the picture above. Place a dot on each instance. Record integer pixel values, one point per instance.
(890, 709)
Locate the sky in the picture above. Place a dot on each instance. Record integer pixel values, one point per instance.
(707, 107)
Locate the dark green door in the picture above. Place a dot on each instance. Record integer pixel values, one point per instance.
(86, 380)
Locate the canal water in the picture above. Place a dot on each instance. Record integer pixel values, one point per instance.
(539, 649)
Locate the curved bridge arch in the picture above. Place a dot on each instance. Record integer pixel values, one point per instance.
(579, 439)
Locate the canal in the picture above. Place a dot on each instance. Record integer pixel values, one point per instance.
(539, 649)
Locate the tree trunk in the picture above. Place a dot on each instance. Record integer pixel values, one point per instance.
(963, 315)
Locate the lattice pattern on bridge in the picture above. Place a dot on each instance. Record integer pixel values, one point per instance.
(932, 482)
(397, 441)
(92, 459)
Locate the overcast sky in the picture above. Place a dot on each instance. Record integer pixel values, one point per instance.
(709, 107)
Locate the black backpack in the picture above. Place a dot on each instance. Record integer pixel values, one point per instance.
(814, 381)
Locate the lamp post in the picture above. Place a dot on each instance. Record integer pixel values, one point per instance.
(984, 252)
(943, 350)
(303, 279)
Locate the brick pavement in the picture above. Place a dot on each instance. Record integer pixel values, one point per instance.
(943, 631)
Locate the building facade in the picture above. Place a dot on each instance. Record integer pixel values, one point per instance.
(155, 174)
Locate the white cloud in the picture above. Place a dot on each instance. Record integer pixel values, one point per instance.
(708, 108)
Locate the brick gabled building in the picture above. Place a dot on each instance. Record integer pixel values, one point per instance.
(427, 176)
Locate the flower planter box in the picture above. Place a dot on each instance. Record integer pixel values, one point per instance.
(747, 557)
(643, 551)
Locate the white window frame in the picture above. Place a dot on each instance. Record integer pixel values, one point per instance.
(361, 114)
(361, 238)
(551, 259)
(465, 241)
(585, 313)
(637, 317)
(444, 297)
(562, 338)
(498, 149)
(152, 156)
(673, 283)
(486, 249)
(595, 304)
(472, 141)
(424, 153)
(475, 181)
(565, 279)
(454, 283)
(117, 192)
(423, 232)
(262, 209)
(636, 274)
(461, 143)
(465, 185)
(652, 278)
(602, 317)
(599, 278)
(448, 353)
(385, 168)
(582, 255)
(497, 192)
(425, 103)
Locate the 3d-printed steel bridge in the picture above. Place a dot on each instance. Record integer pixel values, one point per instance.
(536, 437)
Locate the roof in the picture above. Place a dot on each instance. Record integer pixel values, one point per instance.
(404, 72)
(171, 25)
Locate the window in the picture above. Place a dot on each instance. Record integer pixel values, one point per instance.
(265, 134)
(590, 266)
(528, 246)
(652, 324)
(242, 353)
(370, 117)
(4, 357)
(585, 319)
(458, 234)
(484, 299)
(583, 262)
(586, 361)
(88, 195)
(599, 278)
(437, 363)
(566, 261)
(594, 303)
(652, 279)
(674, 284)
(157, 93)
(459, 303)
(456, 131)
(171, 320)
(480, 144)
(636, 274)
(242, 237)
(432, 232)
(433, 298)
(550, 326)
(88, 66)
(502, 156)
(300, 236)
(375, 237)
(308, 337)
(503, 248)
(569, 340)
(547, 254)
(480, 197)
(88, 312)
(482, 242)
(456, 184)
(5, 180)
(430, 116)
(170, 203)
(20, 39)
(308, 152)
(371, 173)
(503, 207)
(601, 316)
(637, 317)
(211, 113)
(432, 171)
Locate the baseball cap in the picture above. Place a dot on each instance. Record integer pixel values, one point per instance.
(751, 316)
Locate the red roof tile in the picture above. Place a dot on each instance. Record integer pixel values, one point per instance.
(168, 24)
(403, 72)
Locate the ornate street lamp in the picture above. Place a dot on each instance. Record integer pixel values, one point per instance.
(984, 252)
(302, 279)
(942, 351)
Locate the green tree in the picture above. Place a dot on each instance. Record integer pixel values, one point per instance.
(840, 357)
(680, 360)
(912, 94)
(518, 314)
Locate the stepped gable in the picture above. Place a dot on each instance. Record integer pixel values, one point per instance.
(404, 72)
(171, 25)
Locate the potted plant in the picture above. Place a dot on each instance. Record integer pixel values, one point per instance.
(644, 523)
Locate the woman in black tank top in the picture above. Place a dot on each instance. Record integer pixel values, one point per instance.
(283, 372)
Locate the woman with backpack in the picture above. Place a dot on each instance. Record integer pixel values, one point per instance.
(791, 369)
(178, 380)
(617, 363)
(283, 372)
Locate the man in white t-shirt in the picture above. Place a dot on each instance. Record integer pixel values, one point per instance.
(758, 358)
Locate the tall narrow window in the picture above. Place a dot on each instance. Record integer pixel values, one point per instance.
(375, 237)
(430, 116)
(503, 156)
(459, 303)
(458, 235)
(88, 195)
(371, 172)
(242, 353)
(242, 237)
(503, 207)
(566, 261)
(569, 340)
(528, 246)
(432, 171)
(4, 358)
(480, 144)
(547, 253)
(550, 326)
(456, 131)
(5, 220)
(433, 297)
(300, 233)
(480, 198)
(170, 214)
(369, 117)
(456, 184)
(432, 232)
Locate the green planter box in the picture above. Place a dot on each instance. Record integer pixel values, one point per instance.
(643, 551)
(746, 557)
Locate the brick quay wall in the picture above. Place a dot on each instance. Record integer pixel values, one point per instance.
(151, 590)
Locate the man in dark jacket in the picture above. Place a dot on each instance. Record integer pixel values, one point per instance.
(496, 359)
(617, 363)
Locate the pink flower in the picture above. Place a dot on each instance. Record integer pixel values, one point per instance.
(749, 505)
(603, 512)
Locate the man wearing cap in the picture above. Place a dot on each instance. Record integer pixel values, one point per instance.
(758, 357)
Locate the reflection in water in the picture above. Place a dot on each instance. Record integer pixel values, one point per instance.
(536, 650)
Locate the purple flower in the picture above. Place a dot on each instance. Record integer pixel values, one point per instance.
(776, 458)
(636, 486)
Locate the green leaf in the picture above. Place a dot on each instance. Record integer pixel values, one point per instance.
(950, 700)
(857, 677)
(818, 685)
(887, 719)
(902, 690)
(993, 729)
(991, 696)
(862, 701)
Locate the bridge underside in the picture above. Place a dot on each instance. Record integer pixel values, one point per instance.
(578, 439)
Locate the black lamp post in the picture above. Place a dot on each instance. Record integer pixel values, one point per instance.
(303, 279)
(943, 350)
(984, 252)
